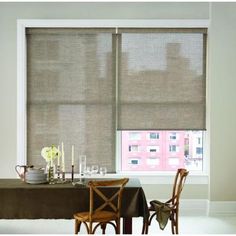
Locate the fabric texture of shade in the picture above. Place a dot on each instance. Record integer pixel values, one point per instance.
(70, 94)
(85, 83)
(162, 79)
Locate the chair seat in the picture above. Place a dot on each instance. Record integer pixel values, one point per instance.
(101, 216)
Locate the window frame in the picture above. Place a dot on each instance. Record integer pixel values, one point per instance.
(22, 24)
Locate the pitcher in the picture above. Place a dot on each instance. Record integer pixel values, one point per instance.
(21, 170)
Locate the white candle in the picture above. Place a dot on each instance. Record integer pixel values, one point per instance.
(72, 155)
(51, 163)
(62, 157)
(58, 158)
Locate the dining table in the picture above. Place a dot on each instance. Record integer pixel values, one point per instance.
(20, 200)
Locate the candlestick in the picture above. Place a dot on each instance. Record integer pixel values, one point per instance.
(51, 175)
(72, 155)
(63, 176)
(58, 172)
(72, 173)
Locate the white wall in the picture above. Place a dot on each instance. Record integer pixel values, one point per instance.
(222, 69)
(221, 63)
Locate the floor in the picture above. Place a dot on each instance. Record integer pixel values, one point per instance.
(188, 225)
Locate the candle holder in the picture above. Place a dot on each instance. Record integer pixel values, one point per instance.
(58, 172)
(72, 173)
(63, 176)
(51, 175)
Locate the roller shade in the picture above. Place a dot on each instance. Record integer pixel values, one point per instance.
(162, 79)
(71, 94)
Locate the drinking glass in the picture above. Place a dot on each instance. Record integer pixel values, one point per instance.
(103, 170)
(88, 171)
(94, 169)
(82, 164)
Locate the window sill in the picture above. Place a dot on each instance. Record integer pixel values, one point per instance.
(160, 178)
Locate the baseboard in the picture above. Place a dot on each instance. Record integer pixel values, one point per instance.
(204, 207)
(222, 208)
(193, 207)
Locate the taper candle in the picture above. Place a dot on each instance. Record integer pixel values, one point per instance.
(58, 157)
(62, 157)
(72, 155)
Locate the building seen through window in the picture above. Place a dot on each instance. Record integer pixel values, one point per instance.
(162, 150)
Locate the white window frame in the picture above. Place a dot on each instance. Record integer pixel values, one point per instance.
(22, 24)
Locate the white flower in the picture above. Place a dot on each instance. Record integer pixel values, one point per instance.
(50, 153)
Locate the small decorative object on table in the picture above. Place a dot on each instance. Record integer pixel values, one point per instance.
(50, 154)
(72, 163)
(72, 173)
(82, 169)
(103, 170)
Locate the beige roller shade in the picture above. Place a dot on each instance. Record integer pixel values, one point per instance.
(162, 79)
(71, 94)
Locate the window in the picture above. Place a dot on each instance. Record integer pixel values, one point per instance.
(153, 148)
(153, 161)
(199, 140)
(173, 148)
(173, 136)
(134, 136)
(199, 150)
(166, 156)
(162, 91)
(153, 136)
(133, 161)
(85, 84)
(133, 148)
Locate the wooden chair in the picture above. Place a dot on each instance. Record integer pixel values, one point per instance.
(107, 213)
(173, 203)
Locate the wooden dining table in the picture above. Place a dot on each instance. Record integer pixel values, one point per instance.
(20, 200)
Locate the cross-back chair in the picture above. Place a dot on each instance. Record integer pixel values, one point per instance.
(107, 213)
(172, 204)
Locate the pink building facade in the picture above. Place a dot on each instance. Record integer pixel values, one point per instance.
(153, 150)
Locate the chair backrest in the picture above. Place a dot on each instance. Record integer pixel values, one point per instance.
(179, 182)
(113, 202)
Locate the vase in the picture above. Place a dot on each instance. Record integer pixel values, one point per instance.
(50, 170)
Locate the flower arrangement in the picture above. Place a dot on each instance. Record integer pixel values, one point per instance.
(50, 153)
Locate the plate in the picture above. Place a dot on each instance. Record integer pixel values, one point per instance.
(36, 181)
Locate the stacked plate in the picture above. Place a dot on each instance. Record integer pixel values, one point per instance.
(35, 176)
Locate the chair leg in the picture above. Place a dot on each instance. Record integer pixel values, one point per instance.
(149, 222)
(90, 228)
(77, 226)
(118, 226)
(177, 222)
(103, 226)
(172, 226)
